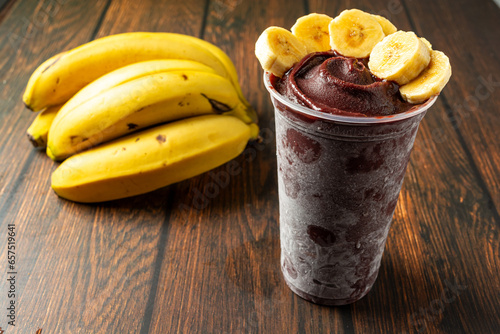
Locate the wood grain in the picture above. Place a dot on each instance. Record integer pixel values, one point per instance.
(471, 98)
(202, 256)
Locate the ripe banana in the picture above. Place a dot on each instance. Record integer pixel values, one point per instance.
(58, 79)
(399, 57)
(354, 33)
(139, 103)
(151, 159)
(387, 26)
(39, 128)
(129, 73)
(430, 82)
(312, 30)
(278, 50)
(28, 97)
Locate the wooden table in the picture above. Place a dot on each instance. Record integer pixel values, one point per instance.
(189, 259)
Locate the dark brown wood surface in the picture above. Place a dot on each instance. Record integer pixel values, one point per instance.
(199, 258)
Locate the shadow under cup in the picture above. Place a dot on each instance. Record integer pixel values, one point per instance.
(339, 179)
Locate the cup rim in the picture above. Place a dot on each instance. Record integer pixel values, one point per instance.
(417, 109)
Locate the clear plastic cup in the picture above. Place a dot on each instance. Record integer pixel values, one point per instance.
(339, 179)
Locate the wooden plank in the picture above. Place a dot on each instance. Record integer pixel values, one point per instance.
(471, 97)
(184, 17)
(5, 6)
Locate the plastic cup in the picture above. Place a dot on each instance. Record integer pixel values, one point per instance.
(339, 179)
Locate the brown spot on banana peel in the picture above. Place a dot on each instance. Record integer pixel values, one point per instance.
(182, 103)
(132, 126)
(185, 77)
(161, 139)
(52, 64)
(74, 138)
(217, 106)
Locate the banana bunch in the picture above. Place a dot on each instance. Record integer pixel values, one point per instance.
(393, 55)
(134, 112)
(153, 158)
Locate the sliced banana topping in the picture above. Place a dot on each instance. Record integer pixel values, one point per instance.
(354, 33)
(394, 55)
(312, 30)
(430, 82)
(426, 42)
(387, 26)
(399, 57)
(277, 50)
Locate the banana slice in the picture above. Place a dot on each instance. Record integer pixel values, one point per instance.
(399, 57)
(426, 42)
(387, 26)
(354, 33)
(278, 50)
(312, 30)
(430, 82)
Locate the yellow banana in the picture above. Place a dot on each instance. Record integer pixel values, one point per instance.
(430, 82)
(399, 57)
(312, 30)
(277, 50)
(139, 103)
(58, 79)
(151, 159)
(129, 73)
(354, 33)
(34, 84)
(39, 128)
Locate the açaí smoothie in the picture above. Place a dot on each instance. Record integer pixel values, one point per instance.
(343, 139)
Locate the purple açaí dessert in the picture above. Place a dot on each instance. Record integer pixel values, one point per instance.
(334, 84)
(349, 94)
(338, 181)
